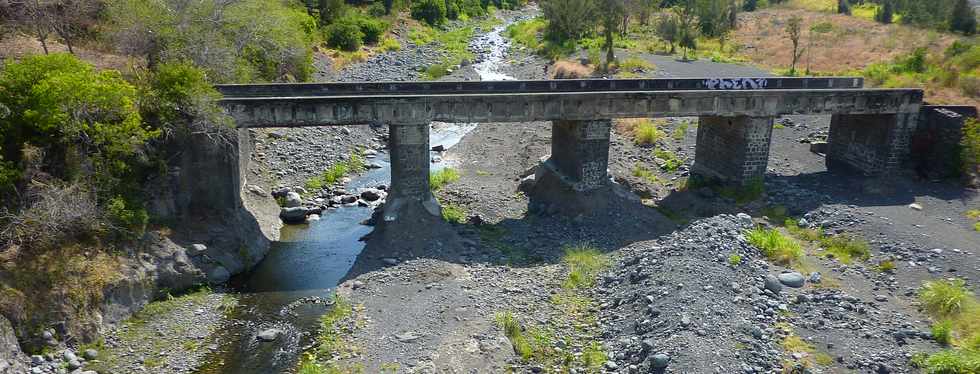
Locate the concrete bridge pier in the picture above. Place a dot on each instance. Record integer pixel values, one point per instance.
(732, 150)
(409, 147)
(871, 144)
(577, 169)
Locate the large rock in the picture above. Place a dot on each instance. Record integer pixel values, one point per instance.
(792, 279)
(371, 194)
(293, 200)
(772, 284)
(12, 359)
(293, 215)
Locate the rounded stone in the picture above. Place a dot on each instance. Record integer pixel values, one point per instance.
(792, 279)
(772, 284)
(90, 354)
(660, 361)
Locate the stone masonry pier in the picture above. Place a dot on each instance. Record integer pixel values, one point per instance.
(869, 133)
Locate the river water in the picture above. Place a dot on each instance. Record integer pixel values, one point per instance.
(287, 290)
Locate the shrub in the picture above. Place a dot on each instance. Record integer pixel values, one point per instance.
(132, 217)
(372, 29)
(57, 215)
(442, 178)
(944, 297)
(776, 246)
(886, 266)
(344, 35)
(570, 70)
(433, 12)
(178, 97)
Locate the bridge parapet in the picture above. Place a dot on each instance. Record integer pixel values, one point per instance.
(580, 106)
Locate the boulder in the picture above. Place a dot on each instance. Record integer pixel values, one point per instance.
(219, 275)
(293, 215)
(371, 194)
(792, 279)
(293, 200)
(772, 284)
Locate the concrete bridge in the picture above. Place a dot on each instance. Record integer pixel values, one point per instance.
(869, 132)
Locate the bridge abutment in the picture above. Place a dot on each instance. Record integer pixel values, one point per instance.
(872, 144)
(409, 147)
(732, 150)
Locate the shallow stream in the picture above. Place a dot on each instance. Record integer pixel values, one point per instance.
(286, 291)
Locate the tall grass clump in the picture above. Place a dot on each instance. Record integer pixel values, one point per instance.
(957, 314)
(646, 132)
(442, 178)
(515, 333)
(584, 264)
(970, 149)
(777, 247)
(944, 297)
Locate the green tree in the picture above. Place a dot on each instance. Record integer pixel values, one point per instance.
(569, 19)
(668, 29)
(234, 41)
(87, 121)
(963, 18)
(612, 12)
(433, 12)
(885, 13)
(687, 36)
(752, 5)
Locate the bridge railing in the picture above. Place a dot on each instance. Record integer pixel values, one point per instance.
(536, 86)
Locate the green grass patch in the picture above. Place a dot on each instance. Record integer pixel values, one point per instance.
(970, 148)
(942, 331)
(453, 213)
(778, 127)
(886, 266)
(779, 248)
(671, 162)
(640, 171)
(442, 178)
(680, 131)
(635, 63)
(646, 133)
(584, 264)
(810, 235)
(354, 164)
(389, 44)
(734, 259)
(845, 248)
(331, 337)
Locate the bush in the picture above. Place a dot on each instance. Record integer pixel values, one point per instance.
(372, 29)
(433, 12)
(390, 44)
(178, 97)
(56, 216)
(344, 35)
(453, 213)
(134, 220)
(845, 248)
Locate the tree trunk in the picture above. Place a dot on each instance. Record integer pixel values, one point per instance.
(610, 53)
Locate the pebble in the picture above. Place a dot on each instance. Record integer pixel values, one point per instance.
(660, 361)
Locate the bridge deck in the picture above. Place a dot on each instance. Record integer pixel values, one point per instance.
(352, 109)
(536, 86)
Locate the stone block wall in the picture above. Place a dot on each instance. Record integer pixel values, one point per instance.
(733, 149)
(870, 144)
(580, 152)
(935, 148)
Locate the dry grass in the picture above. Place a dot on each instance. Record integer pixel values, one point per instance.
(18, 46)
(570, 70)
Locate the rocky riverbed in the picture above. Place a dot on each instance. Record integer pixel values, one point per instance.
(672, 300)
